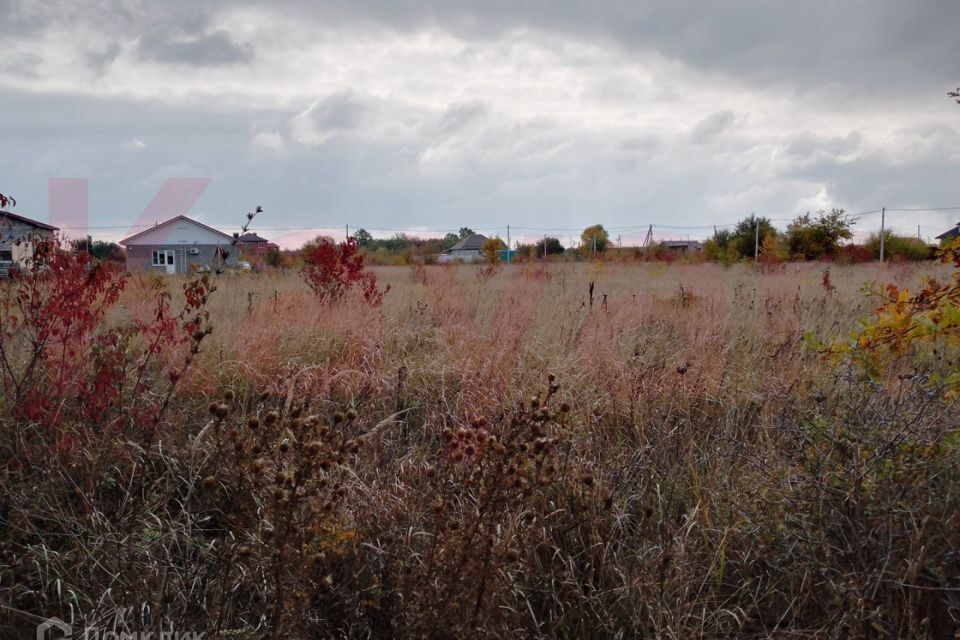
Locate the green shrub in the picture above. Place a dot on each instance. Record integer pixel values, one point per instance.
(898, 247)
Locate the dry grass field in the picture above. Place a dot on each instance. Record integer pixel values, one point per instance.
(573, 450)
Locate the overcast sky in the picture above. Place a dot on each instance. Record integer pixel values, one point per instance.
(389, 114)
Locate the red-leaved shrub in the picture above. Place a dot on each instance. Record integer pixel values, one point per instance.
(331, 270)
(60, 361)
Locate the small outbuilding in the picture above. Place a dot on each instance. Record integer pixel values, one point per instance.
(179, 245)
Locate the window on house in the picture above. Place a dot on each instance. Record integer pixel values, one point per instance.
(6, 256)
(161, 258)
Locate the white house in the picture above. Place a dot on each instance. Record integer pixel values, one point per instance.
(468, 250)
(179, 245)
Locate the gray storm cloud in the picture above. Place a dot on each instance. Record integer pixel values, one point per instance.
(217, 48)
(440, 114)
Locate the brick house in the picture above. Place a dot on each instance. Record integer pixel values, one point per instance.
(255, 246)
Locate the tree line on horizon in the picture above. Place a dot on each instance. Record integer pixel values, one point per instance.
(825, 235)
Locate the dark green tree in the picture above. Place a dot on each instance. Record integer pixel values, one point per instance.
(363, 237)
(449, 240)
(722, 238)
(744, 234)
(465, 232)
(99, 249)
(810, 238)
(553, 247)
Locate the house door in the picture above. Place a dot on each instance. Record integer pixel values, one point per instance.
(171, 264)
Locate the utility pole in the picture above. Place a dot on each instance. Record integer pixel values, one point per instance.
(883, 224)
(594, 245)
(648, 240)
(918, 232)
(508, 244)
(348, 233)
(756, 240)
(544, 245)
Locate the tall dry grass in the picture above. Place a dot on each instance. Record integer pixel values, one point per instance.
(689, 468)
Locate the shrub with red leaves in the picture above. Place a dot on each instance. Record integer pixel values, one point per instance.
(47, 320)
(59, 364)
(331, 270)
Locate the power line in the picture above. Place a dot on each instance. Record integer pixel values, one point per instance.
(621, 229)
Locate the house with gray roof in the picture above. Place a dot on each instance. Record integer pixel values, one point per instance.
(179, 245)
(469, 249)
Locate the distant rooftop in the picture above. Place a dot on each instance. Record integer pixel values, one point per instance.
(252, 237)
(470, 243)
(40, 225)
(683, 243)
